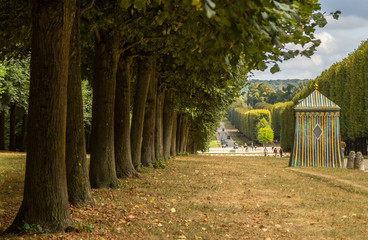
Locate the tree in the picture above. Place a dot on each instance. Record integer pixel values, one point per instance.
(148, 144)
(79, 188)
(263, 124)
(102, 166)
(143, 79)
(123, 155)
(265, 135)
(45, 201)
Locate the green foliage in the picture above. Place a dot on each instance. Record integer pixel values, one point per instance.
(85, 227)
(258, 93)
(203, 49)
(260, 97)
(280, 84)
(182, 154)
(87, 105)
(265, 135)
(263, 105)
(287, 126)
(276, 118)
(263, 124)
(143, 169)
(248, 122)
(32, 228)
(159, 163)
(14, 83)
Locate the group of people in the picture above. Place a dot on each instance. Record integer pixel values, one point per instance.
(274, 149)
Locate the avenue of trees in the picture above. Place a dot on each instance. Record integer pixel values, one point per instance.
(162, 73)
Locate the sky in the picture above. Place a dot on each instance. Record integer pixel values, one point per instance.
(339, 38)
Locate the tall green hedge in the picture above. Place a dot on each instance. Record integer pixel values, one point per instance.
(247, 121)
(346, 84)
(276, 118)
(287, 126)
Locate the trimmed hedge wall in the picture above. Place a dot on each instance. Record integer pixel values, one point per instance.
(247, 121)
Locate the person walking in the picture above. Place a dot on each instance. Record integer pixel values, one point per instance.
(281, 151)
(265, 151)
(275, 151)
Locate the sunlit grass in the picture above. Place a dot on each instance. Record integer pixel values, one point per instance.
(214, 143)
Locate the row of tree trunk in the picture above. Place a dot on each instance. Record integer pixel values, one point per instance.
(359, 145)
(56, 166)
(16, 142)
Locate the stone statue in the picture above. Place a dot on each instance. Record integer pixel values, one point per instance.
(359, 161)
(351, 159)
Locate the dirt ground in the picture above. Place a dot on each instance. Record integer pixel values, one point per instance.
(209, 197)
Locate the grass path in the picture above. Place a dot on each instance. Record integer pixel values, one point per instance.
(336, 179)
(202, 197)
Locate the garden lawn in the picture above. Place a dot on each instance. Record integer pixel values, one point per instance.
(204, 197)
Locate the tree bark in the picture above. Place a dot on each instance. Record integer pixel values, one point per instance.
(185, 135)
(123, 156)
(12, 123)
(102, 167)
(79, 188)
(143, 79)
(148, 144)
(178, 127)
(159, 149)
(87, 137)
(179, 145)
(168, 114)
(173, 136)
(24, 132)
(2, 131)
(45, 201)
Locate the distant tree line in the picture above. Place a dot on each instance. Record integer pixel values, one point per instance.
(280, 84)
(263, 94)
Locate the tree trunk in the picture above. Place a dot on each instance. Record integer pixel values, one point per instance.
(24, 132)
(179, 131)
(143, 79)
(185, 135)
(174, 132)
(148, 144)
(79, 188)
(102, 167)
(159, 149)
(2, 130)
(45, 201)
(87, 137)
(12, 123)
(123, 156)
(168, 114)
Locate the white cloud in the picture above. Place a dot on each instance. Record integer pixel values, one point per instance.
(346, 22)
(328, 42)
(338, 39)
(317, 59)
